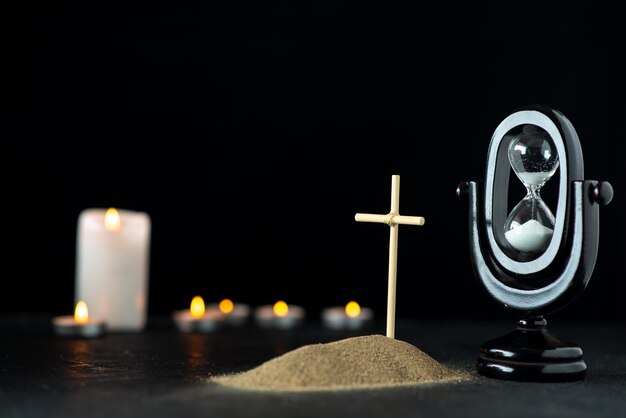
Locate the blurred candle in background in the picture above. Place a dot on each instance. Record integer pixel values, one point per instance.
(78, 325)
(353, 316)
(197, 318)
(280, 315)
(112, 259)
(235, 314)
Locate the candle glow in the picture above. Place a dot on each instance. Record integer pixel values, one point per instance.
(112, 220)
(197, 307)
(226, 306)
(81, 314)
(281, 309)
(353, 309)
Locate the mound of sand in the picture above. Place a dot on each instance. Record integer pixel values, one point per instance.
(357, 362)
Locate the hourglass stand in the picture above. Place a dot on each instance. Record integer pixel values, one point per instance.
(538, 263)
(531, 353)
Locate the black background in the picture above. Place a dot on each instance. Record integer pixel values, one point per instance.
(252, 132)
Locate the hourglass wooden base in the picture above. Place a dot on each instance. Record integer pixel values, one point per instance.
(531, 353)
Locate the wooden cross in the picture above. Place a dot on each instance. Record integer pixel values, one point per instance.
(393, 219)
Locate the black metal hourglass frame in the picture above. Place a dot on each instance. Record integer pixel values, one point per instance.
(531, 287)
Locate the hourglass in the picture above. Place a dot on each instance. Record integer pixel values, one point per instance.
(531, 260)
(534, 160)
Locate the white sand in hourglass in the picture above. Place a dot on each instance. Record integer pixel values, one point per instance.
(530, 236)
(534, 179)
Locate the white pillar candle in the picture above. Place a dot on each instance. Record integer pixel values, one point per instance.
(112, 257)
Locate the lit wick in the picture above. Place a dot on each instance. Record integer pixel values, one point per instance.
(226, 306)
(81, 313)
(281, 309)
(112, 220)
(353, 309)
(197, 307)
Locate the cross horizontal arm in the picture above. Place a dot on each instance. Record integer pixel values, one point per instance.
(390, 219)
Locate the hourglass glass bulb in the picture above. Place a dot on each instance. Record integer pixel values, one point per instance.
(532, 157)
(530, 224)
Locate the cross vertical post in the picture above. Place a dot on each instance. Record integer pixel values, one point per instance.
(393, 257)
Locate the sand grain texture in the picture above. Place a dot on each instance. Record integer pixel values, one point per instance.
(357, 362)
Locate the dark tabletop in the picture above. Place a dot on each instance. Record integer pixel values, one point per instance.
(160, 372)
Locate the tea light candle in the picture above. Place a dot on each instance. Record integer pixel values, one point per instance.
(351, 317)
(112, 266)
(235, 314)
(79, 325)
(280, 315)
(197, 318)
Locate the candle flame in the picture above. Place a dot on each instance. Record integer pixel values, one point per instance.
(197, 307)
(353, 309)
(281, 308)
(112, 220)
(81, 314)
(227, 306)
